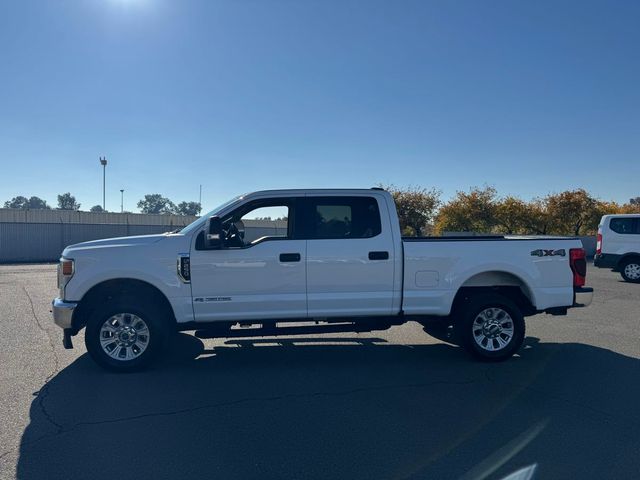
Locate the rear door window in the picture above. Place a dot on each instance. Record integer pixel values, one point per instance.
(342, 217)
(624, 225)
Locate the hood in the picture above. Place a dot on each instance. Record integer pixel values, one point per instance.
(118, 242)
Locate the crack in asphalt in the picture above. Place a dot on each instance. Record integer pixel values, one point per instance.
(44, 391)
(62, 429)
(46, 332)
(268, 399)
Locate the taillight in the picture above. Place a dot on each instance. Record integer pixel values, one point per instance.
(578, 263)
(599, 244)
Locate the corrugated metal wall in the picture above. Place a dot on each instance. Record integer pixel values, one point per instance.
(41, 235)
(70, 216)
(43, 242)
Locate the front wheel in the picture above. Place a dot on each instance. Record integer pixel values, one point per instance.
(125, 336)
(491, 327)
(630, 270)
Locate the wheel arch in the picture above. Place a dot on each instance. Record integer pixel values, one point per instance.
(119, 287)
(627, 256)
(500, 282)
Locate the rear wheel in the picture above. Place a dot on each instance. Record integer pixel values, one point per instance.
(491, 327)
(630, 270)
(126, 335)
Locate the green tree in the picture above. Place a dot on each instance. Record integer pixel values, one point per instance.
(473, 211)
(615, 208)
(66, 201)
(630, 208)
(573, 212)
(156, 203)
(17, 202)
(511, 215)
(25, 203)
(36, 203)
(97, 209)
(536, 220)
(188, 208)
(416, 208)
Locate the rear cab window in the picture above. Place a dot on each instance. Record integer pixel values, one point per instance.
(342, 217)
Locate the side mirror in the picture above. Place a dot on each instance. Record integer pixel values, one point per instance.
(213, 234)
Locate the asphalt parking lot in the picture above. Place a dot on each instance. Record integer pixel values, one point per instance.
(393, 404)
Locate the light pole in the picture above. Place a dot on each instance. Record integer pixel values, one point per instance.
(122, 200)
(103, 162)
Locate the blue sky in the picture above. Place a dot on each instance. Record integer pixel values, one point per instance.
(239, 95)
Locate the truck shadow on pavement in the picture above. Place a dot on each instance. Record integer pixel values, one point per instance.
(339, 408)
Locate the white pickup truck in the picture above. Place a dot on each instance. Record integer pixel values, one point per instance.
(340, 265)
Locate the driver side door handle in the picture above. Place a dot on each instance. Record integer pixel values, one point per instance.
(289, 257)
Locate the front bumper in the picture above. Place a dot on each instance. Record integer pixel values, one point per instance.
(582, 296)
(63, 313)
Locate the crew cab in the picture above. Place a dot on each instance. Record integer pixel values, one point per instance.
(618, 245)
(338, 264)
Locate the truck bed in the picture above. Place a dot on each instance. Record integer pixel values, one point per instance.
(435, 268)
(480, 238)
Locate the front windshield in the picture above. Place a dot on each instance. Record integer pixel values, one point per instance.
(193, 225)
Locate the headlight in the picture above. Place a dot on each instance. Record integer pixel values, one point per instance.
(66, 269)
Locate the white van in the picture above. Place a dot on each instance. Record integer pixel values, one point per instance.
(618, 245)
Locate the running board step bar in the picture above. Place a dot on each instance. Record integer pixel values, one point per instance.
(272, 330)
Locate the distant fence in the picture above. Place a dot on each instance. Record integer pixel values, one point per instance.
(41, 235)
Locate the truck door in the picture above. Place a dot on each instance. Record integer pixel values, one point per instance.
(259, 273)
(350, 257)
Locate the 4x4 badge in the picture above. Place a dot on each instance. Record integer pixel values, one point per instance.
(548, 253)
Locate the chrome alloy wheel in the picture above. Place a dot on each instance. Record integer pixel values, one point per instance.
(632, 271)
(493, 329)
(124, 336)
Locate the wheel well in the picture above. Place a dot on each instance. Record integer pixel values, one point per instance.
(628, 256)
(513, 292)
(119, 287)
(499, 278)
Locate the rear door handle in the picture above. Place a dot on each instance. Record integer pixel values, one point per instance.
(378, 255)
(289, 257)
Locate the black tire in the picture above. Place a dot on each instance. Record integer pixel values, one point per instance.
(156, 340)
(633, 263)
(466, 327)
